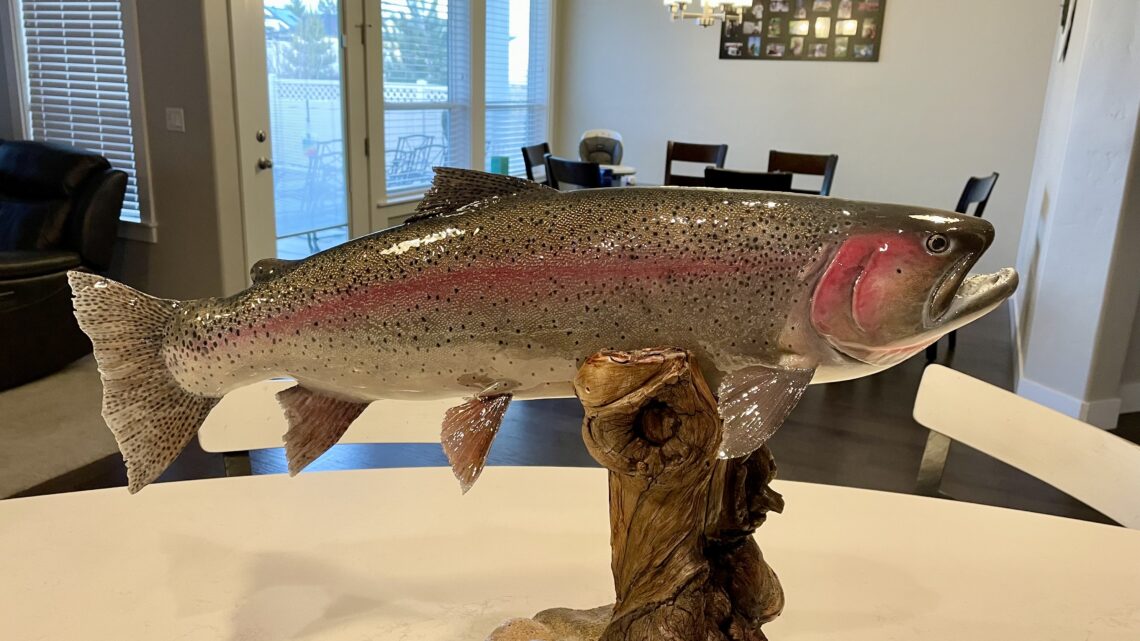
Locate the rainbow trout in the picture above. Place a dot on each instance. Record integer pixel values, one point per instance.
(499, 288)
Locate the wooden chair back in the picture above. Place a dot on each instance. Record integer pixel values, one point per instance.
(807, 164)
(535, 156)
(977, 192)
(691, 152)
(562, 172)
(1085, 462)
(752, 180)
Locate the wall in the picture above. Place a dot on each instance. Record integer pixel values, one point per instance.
(1080, 268)
(9, 102)
(183, 50)
(957, 92)
(1130, 373)
(193, 201)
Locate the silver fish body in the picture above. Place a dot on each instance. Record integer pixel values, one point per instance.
(513, 290)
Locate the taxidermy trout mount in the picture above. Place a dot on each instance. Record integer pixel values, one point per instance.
(500, 288)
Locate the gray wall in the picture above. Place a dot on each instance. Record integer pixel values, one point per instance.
(7, 80)
(192, 177)
(957, 92)
(186, 260)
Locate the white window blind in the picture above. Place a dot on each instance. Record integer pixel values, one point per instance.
(427, 95)
(517, 73)
(78, 88)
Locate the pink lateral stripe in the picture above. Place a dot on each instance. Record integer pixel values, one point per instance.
(473, 282)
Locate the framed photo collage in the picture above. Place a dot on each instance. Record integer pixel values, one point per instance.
(821, 30)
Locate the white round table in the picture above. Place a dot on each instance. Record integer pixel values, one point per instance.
(400, 554)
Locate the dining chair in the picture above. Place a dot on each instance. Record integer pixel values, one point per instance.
(1090, 464)
(691, 152)
(752, 180)
(535, 156)
(561, 172)
(977, 193)
(807, 164)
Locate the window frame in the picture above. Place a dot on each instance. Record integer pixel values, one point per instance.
(146, 229)
(476, 93)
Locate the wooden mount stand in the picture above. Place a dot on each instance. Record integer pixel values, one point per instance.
(684, 562)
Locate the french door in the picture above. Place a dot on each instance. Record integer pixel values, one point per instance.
(294, 76)
(344, 107)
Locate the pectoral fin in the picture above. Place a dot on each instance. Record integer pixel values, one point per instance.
(753, 403)
(468, 431)
(316, 423)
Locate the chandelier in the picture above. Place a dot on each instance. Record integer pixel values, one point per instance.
(711, 10)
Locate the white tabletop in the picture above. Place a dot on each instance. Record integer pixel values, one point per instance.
(399, 554)
(620, 170)
(250, 418)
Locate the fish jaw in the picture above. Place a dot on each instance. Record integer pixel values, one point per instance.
(975, 297)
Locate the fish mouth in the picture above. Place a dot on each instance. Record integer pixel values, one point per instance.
(959, 298)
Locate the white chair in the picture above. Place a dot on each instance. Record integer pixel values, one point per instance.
(250, 418)
(1085, 462)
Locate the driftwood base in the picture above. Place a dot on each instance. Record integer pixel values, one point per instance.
(684, 562)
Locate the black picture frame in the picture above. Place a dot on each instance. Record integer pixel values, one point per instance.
(811, 30)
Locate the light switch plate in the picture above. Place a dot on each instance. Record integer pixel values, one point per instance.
(175, 119)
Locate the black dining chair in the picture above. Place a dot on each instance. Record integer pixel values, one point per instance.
(561, 172)
(535, 156)
(807, 164)
(752, 180)
(691, 152)
(977, 193)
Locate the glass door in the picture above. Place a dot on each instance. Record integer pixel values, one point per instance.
(306, 123)
(290, 94)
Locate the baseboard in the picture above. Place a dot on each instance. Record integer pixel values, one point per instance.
(1102, 413)
(1130, 397)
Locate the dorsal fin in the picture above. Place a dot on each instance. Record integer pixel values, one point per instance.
(268, 269)
(453, 188)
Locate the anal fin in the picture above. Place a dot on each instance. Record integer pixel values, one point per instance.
(468, 431)
(316, 423)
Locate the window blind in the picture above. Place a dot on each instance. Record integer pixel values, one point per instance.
(427, 97)
(517, 72)
(78, 87)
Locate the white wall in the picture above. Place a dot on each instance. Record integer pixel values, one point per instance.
(957, 92)
(1078, 257)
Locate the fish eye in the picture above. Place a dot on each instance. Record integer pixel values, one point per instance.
(937, 243)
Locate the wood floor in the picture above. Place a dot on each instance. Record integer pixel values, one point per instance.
(859, 434)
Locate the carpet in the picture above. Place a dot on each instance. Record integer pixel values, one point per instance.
(52, 426)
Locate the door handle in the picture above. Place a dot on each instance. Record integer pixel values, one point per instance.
(264, 163)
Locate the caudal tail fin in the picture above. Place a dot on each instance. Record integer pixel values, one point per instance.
(149, 413)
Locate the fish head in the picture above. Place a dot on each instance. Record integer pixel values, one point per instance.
(899, 282)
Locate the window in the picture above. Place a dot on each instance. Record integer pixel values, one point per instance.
(427, 96)
(517, 73)
(78, 84)
(429, 111)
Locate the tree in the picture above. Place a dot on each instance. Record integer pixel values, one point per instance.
(310, 54)
(415, 43)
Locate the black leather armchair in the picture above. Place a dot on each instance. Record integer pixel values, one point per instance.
(59, 210)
